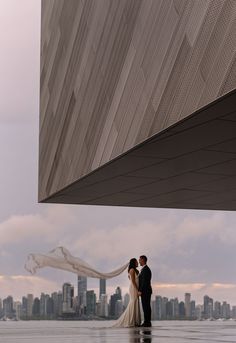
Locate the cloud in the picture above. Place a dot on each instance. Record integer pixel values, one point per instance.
(182, 249)
(25, 285)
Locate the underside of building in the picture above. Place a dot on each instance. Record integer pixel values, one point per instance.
(138, 103)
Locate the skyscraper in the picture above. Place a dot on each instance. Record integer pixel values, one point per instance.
(67, 296)
(208, 306)
(217, 309)
(36, 307)
(82, 289)
(187, 305)
(90, 303)
(158, 305)
(181, 310)
(192, 309)
(104, 305)
(102, 287)
(118, 292)
(30, 300)
(8, 307)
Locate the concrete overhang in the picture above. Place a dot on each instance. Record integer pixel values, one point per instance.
(190, 165)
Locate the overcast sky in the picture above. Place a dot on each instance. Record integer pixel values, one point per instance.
(187, 250)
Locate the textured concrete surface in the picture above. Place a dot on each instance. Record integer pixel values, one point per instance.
(116, 72)
(101, 332)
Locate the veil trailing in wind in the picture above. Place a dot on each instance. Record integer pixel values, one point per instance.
(61, 258)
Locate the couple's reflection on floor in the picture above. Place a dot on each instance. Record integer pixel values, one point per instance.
(140, 335)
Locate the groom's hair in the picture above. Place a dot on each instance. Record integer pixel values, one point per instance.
(143, 257)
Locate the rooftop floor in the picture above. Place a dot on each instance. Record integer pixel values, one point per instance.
(102, 332)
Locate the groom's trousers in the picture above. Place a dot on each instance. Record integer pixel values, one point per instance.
(146, 304)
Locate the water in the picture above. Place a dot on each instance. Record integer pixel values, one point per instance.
(102, 332)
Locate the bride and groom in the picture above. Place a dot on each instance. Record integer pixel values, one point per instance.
(140, 283)
(140, 286)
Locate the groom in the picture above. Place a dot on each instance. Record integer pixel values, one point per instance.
(145, 290)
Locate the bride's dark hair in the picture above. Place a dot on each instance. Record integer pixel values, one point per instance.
(132, 265)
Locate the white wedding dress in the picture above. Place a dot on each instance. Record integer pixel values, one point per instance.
(131, 317)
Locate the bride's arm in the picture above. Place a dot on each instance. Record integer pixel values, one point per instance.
(132, 276)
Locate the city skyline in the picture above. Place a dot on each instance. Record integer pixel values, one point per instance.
(86, 304)
(187, 250)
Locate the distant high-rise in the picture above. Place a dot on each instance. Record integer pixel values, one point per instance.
(217, 309)
(158, 305)
(8, 307)
(24, 307)
(30, 300)
(104, 305)
(36, 307)
(118, 308)
(82, 289)
(208, 307)
(67, 295)
(234, 312)
(43, 305)
(113, 300)
(90, 303)
(225, 310)
(181, 310)
(187, 305)
(163, 307)
(102, 287)
(1, 309)
(119, 293)
(192, 309)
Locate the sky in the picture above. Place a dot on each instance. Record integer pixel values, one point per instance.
(188, 251)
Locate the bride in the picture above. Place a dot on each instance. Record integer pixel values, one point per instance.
(131, 317)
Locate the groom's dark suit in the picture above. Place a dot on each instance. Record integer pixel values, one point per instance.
(146, 290)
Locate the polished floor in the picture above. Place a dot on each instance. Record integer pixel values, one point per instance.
(102, 332)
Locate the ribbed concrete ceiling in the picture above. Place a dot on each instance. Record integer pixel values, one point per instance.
(191, 165)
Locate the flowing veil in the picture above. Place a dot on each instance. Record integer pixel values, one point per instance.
(61, 258)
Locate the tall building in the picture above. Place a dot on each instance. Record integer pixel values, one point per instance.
(82, 289)
(104, 306)
(1, 308)
(67, 297)
(60, 302)
(121, 118)
(192, 309)
(36, 307)
(118, 308)
(24, 307)
(217, 310)
(119, 293)
(113, 300)
(90, 303)
(50, 307)
(199, 312)
(176, 308)
(158, 311)
(182, 310)
(17, 309)
(234, 312)
(8, 310)
(30, 300)
(225, 310)
(187, 305)
(102, 287)
(208, 307)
